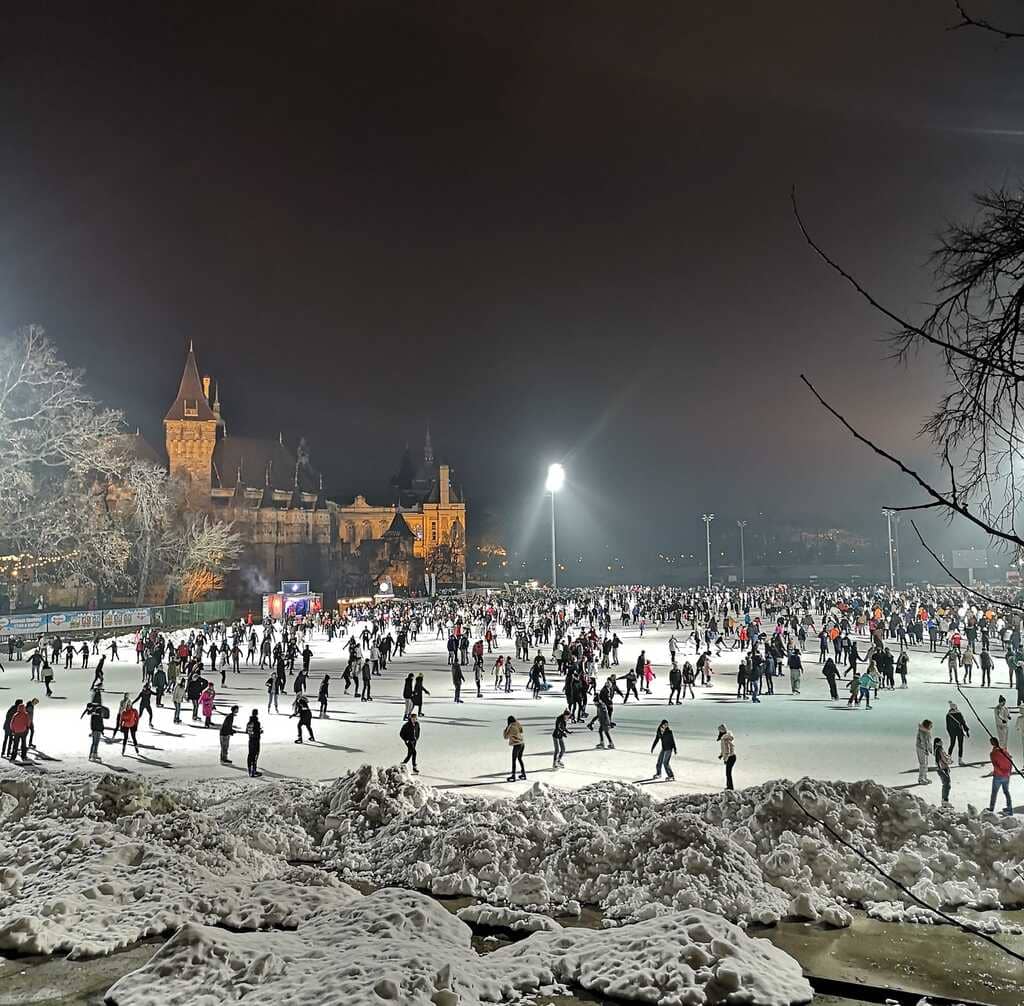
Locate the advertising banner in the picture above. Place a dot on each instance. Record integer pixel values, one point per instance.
(125, 617)
(295, 586)
(22, 625)
(75, 621)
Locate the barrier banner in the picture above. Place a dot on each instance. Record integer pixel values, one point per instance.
(125, 617)
(75, 621)
(23, 625)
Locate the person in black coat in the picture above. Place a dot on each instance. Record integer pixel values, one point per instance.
(665, 737)
(322, 695)
(957, 730)
(254, 730)
(410, 733)
(305, 716)
(408, 690)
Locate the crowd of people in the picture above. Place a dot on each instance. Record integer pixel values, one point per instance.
(867, 639)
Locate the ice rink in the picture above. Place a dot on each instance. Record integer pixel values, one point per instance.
(461, 747)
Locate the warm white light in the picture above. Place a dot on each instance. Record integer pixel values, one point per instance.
(556, 478)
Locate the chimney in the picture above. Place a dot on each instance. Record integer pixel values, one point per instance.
(206, 388)
(443, 484)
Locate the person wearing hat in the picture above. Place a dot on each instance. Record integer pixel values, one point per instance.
(956, 730)
(727, 752)
(227, 729)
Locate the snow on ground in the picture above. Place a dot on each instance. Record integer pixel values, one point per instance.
(402, 947)
(785, 736)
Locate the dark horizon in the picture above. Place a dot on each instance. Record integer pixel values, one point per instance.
(545, 234)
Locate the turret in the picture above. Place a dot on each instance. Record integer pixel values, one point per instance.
(190, 430)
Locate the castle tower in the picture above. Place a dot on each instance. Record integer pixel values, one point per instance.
(190, 430)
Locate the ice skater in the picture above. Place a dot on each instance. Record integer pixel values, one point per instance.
(727, 752)
(667, 740)
(558, 735)
(254, 731)
(513, 733)
(410, 734)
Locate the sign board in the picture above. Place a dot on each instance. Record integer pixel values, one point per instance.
(75, 621)
(295, 586)
(124, 617)
(970, 558)
(22, 625)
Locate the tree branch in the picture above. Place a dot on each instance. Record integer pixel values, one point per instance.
(939, 498)
(966, 21)
(948, 347)
(957, 580)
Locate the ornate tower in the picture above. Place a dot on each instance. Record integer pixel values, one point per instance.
(190, 429)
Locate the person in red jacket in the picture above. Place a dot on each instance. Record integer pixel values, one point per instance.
(129, 723)
(1002, 766)
(20, 722)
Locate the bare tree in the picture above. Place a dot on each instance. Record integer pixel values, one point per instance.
(975, 325)
(200, 551)
(54, 440)
(150, 506)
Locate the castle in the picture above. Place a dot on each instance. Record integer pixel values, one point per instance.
(291, 529)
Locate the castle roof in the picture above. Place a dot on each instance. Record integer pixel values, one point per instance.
(191, 403)
(399, 529)
(251, 461)
(137, 446)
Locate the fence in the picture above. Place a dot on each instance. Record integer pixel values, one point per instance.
(168, 616)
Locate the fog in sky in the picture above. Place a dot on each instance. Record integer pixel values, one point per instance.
(549, 231)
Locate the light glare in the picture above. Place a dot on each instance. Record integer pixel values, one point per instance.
(556, 478)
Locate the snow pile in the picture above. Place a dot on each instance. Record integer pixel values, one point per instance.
(751, 855)
(91, 866)
(402, 947)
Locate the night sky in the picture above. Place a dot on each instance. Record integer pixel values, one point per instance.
(551, 231)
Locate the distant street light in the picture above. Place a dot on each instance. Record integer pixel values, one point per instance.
(888, 514)
(741, 524)
(555, 481)
(708, 518)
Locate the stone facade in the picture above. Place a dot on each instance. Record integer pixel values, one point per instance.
(291, 529)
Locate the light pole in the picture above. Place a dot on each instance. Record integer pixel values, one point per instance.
(741, 524)
(888, 515)
(896, 543)
(556, 479)
(708, 518)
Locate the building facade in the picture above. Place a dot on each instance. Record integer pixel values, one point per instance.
(291, 529)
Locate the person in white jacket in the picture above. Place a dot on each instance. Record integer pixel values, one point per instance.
(1002, 722)
(727, 752)
(924, 750)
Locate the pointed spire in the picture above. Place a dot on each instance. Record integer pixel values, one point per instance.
(191, 403)
(428, 450)
(280, 438)
(296, 475)
(321, 482)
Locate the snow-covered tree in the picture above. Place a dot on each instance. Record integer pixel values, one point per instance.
(199, 552)
(57, 444)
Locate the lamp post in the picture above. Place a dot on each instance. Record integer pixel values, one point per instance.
(896, 543)
(708, 518)
(555, 481)
(741, 524)
(888, 514)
